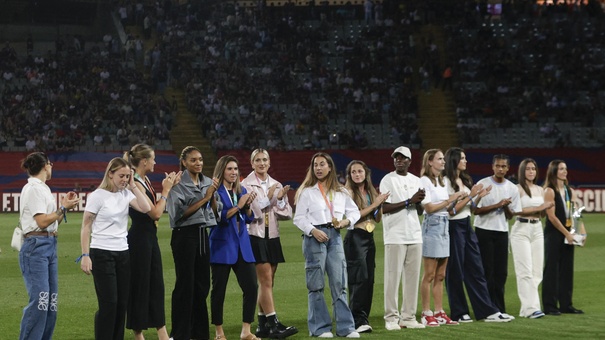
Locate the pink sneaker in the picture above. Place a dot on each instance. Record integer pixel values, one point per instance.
(429, 320)
(443, 319)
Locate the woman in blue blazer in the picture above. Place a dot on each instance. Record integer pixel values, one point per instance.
(230, 247)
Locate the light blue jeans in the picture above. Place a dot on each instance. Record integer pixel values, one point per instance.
(38, 262)
(322, 258)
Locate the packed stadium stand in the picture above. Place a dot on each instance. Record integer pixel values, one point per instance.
(303, 75)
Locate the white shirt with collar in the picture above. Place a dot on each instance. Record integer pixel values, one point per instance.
(36, 198)
(312, 209)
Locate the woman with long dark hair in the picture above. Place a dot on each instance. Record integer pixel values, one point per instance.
(38, 260)
(321, 205)
(230, 247)
(557, 287)
(359, 246)
(527, 239)
(464, 268)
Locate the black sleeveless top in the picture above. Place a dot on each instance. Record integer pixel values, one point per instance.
(559, 210)
(140, 219)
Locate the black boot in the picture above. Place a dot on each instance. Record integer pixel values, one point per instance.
(277, 330)
(262, 331)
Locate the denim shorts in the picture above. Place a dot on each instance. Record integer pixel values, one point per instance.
(435, 237)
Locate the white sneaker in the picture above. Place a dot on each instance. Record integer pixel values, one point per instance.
(465, 319)
(353, 335)
(364, 329)
(326, 335)
(410, 324)
(509, 316)
(392, 326)
(497, 317)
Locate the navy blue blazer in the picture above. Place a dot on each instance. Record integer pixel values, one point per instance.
(225, 240)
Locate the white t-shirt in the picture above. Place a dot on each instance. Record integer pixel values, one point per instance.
(36, 198)
(434, 194)
(110, 226)
(466, 211)
(495, 220)
(403, 226)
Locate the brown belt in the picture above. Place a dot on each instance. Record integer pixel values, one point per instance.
(41, 233)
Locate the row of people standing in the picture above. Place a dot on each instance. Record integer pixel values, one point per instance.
(454, 252)
(323, 207)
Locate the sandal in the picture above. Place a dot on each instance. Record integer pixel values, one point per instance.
(220, 337)
(250, 337)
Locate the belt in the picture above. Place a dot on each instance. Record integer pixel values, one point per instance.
(325, 225)
(41, 234)
(527, 220)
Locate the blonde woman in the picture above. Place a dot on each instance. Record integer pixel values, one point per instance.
(270, 206)
(146, 304)
(321, 205)
(105, 246)
(435, 237)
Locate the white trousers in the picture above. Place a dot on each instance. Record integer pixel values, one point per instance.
(401, 267)
(527, 244)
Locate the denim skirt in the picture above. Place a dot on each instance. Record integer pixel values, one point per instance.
(435, 237)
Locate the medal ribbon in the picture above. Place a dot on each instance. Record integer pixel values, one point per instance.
(568, 208)
(328, 203)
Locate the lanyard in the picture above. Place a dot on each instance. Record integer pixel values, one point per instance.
(146, 184)
(234, 202)
(567, 208)
(265, 190)
(329, 203)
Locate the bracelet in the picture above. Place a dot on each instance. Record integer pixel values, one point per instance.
(407, 203)
(162, 197)
(64, 211)
(454, 211)
(81, 256)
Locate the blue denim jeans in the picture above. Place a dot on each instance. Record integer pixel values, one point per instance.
(38, 262)
(322, 258)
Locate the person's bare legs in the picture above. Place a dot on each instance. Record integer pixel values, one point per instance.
(430, 267)
(438, 284)
(163, 333)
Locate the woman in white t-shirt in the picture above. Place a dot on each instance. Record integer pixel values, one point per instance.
(106, 218)
(435, 237)
(527, 239)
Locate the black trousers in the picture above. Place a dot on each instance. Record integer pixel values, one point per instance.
(465, 269)
(245, 272)
(360, 252)
(494, 255)
(111, 275)
(557, 283)
(190, 250)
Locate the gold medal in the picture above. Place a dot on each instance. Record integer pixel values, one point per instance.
(266, 219)
(568, 222)
(370, 227)
(335, 223)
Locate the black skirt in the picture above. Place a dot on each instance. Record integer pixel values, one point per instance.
(267, 250)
